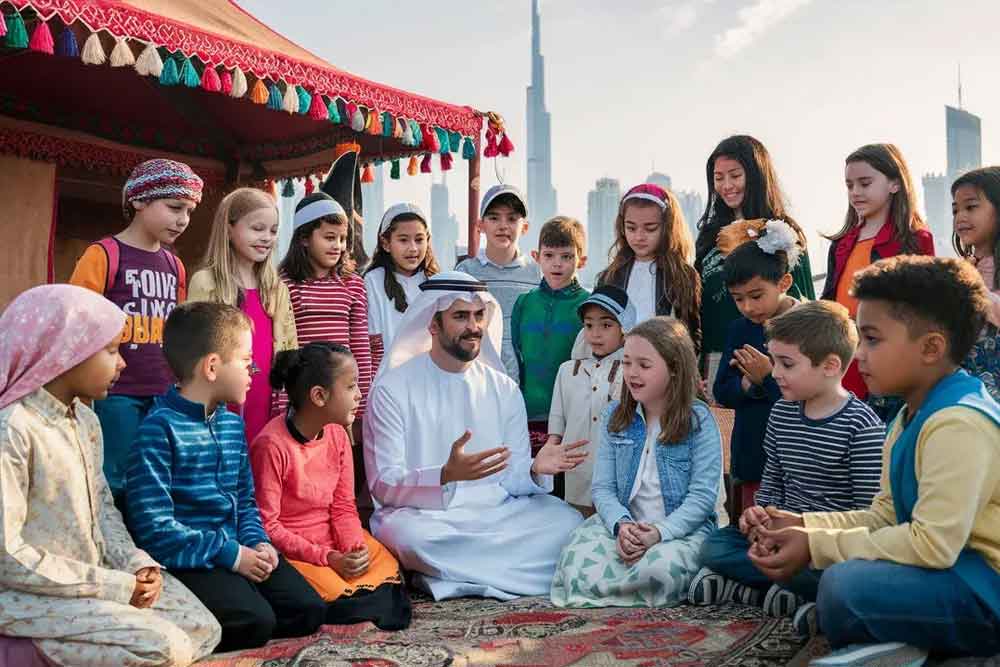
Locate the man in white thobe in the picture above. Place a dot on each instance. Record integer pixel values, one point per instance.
(458, 498)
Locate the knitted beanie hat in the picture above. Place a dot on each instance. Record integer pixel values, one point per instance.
(161, 179)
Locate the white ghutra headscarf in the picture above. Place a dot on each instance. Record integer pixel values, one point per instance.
(438, 293)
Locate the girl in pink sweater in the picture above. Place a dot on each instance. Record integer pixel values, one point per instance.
(304, 477)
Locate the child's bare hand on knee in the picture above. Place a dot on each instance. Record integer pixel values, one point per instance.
(254, 565)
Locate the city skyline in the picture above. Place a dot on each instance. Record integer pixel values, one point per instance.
(542, 198)
(672, 78)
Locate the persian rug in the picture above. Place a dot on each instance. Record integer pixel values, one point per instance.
(530, 632)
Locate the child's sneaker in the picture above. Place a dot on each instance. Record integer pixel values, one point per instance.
(738, 593)
(706, 588)
(892, 654)
(780, 602)
(805, 621)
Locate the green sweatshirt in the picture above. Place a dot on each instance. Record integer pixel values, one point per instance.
(543, 327)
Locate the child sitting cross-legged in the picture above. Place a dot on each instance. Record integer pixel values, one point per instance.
(919, 570)
(71, 578)
(823, 450)
(589, 381)
(190, 491)
(304, 474)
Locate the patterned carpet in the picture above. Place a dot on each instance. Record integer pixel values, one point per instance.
(530, 632)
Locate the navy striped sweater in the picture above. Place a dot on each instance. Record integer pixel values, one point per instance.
(825, 465)
(189, 487)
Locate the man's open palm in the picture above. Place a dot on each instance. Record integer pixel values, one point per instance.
(462, 467)
(555, 458)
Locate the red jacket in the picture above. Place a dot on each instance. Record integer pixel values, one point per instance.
(885, 246)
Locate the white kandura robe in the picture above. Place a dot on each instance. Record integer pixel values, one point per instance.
(496, 537)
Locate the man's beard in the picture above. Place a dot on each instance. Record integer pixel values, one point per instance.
(452, 346)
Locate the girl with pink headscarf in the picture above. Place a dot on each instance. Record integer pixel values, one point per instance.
(71, 578)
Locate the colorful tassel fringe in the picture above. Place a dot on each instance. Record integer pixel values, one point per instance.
(408, 137)
(309, 186)
(374, 123)
(290, 100)
(287, 188)
(394, 170)
(368, 175)
(3, 25)
(333, 111)
(67, 45)
(317, 109)
(17, 34)
(169, 76)
(189, 77)
(240, 86)
(491, 143)
(454, 141)
(226, 82)
(121, 55)
(210, 80)
(259, 94)
(446, 160)
(93, 52)
(413, 168)
(305, 100)
(468, 149)
(149, 63)
(506, 146)
(418, 135)
(41, 39)
(388, 124)
(274, 97)
(357, 120)
(444, 142)
(425, 164)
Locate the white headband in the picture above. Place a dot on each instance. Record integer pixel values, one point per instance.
(648, 197)
(318, 209)
(398, 210)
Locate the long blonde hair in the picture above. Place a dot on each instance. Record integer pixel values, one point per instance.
(220, 258)
(670, 338)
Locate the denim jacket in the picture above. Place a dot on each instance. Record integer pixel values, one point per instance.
(689, 473)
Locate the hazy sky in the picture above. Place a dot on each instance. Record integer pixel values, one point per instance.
(639, 82)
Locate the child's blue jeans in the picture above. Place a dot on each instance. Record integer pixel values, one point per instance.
(725, 552)
(864, 601)
(120, 417)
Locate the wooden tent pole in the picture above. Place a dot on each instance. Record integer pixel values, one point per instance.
(473, 245)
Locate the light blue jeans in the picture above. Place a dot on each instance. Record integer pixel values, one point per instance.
(864, 601)
(120, 417)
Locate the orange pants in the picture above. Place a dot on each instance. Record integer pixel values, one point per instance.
(382, 568)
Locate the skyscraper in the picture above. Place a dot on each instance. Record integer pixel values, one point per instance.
(602, 209)
(444, 226)
(692, 205)
(965, 152)
(373, 204)
(541, 193)
(965, 146)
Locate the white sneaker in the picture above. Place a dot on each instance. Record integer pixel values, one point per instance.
(890, 654)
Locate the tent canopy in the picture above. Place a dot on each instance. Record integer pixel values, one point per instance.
(247, 136)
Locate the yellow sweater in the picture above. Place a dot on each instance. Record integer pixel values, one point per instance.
(202, 288)
(958, 502)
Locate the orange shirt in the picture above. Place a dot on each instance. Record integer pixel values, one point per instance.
(860, 257)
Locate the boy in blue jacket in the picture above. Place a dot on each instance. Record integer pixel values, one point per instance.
(190, 491)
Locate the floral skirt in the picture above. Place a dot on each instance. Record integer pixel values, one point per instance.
(590, 573)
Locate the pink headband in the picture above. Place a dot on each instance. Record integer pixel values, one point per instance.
(649, 192)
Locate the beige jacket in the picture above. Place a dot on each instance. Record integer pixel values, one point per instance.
(201, 287)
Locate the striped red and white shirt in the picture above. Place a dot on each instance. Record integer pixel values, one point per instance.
(335, 310)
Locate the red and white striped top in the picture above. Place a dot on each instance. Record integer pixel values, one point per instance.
(335, 310)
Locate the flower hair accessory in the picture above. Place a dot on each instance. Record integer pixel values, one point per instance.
(770, 235)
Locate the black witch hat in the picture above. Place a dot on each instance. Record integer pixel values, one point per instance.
(343, 183)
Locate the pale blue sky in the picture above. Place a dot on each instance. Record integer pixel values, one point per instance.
(639, 81)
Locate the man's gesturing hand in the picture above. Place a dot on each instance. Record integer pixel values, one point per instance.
(462, 467)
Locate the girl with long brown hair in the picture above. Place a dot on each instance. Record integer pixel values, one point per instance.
(657, 480)
(651, 257)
